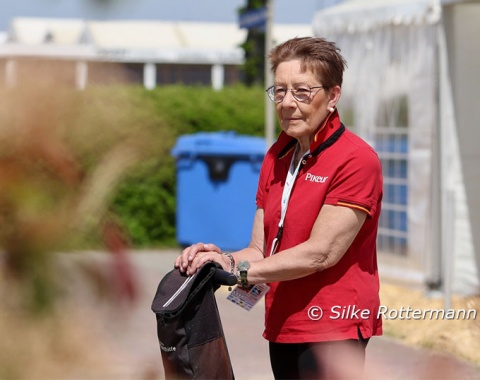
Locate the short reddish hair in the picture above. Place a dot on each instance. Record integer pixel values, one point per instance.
(316, 54)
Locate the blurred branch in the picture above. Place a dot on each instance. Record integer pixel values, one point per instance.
(97, 188)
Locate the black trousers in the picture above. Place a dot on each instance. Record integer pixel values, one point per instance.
(342, 359)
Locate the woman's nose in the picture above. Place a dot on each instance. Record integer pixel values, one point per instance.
(288, 99)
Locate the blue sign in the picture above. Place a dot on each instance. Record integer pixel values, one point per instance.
(256, 18)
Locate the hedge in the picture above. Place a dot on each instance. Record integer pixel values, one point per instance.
(145, 201)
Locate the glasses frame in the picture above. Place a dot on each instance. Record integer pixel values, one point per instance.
(271, 94)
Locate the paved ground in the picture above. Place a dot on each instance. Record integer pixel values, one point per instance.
(132, 334)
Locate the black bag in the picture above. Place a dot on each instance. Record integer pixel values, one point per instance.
(192, 342)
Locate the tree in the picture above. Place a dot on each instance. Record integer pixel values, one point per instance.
(254, 47)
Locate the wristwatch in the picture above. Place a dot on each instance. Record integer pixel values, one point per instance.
(242, 270)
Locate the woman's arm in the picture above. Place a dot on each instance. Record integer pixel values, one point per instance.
(333, 232)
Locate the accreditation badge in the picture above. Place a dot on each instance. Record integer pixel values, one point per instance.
(248, 297)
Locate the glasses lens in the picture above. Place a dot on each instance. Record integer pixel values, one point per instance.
(302, 93)
(278, 93)
(270, 92)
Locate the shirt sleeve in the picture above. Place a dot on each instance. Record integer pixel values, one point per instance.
(358, 182)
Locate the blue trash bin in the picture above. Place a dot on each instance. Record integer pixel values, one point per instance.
(217, 175)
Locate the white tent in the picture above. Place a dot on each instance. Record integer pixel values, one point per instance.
(140, 40)
(148, 43)
(401, 94)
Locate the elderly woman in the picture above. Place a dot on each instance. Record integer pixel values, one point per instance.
(314, 233)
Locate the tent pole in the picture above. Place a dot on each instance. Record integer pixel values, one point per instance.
(447, 185)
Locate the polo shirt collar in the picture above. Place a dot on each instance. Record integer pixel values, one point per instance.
(328, 134)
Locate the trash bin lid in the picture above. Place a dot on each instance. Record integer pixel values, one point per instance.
(223, 143)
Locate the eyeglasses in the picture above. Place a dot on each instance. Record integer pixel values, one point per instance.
(302, 93)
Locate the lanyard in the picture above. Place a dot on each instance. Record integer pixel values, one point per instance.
(287, 191)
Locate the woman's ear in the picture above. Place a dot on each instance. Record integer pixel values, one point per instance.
(334, 96)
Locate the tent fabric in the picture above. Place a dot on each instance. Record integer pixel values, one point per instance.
(33, 31)
(362, 15)
(462, 267)
(141, 34)
(391, 47)
(179, 42)
(388, 63)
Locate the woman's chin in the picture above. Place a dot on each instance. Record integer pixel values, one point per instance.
(294, 130)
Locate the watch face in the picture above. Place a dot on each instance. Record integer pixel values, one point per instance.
(243, 265)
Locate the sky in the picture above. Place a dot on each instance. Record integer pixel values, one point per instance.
(285, 11)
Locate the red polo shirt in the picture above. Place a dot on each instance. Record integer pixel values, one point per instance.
(341, 170)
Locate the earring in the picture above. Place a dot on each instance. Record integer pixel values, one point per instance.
(331, 109)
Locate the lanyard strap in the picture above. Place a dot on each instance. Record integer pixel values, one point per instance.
(287, 191)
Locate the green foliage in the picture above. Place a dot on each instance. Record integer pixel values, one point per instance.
(145, 201)
(254, 48)
(189, 109)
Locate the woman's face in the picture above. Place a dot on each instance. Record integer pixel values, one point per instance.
(300, 119)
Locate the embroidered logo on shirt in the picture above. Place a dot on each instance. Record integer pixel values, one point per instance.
(315, 178)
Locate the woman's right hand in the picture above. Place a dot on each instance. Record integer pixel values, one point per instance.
(193, 257)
